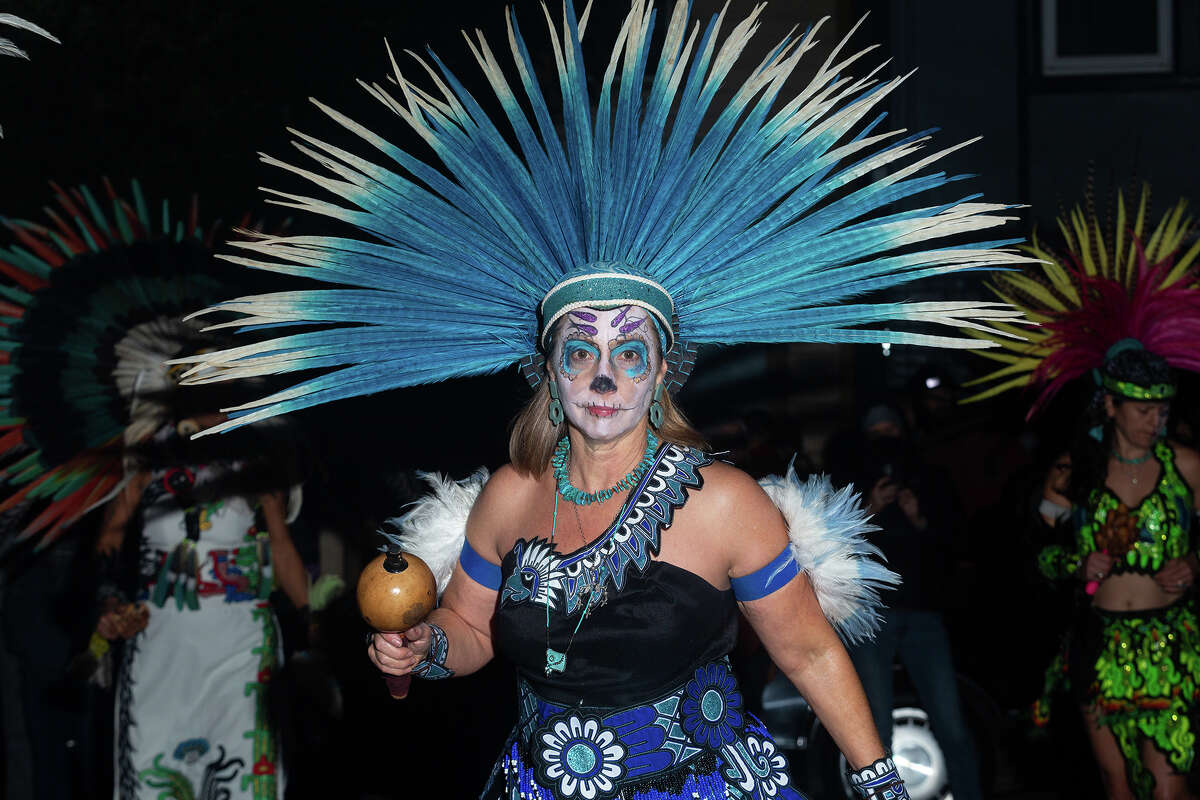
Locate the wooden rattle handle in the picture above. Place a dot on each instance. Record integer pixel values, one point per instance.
(398, 684)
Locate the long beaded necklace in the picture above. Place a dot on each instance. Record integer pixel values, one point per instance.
(591, 585)
(556, 661)
(561, 459)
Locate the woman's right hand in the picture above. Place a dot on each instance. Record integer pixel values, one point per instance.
(399, 653)
(123, 621)
(1097, 566)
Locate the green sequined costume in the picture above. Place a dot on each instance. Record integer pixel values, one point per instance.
(1140, 670)
(1163, 521)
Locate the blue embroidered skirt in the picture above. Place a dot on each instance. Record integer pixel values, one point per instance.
(695, 741)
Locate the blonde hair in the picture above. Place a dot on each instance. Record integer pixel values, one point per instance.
(532, 438)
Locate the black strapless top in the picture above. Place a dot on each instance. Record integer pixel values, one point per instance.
(647, 624)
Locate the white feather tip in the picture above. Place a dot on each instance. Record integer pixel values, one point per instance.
(828, 528)
(435, 527)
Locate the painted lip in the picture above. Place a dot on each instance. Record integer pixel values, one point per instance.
(597, 410)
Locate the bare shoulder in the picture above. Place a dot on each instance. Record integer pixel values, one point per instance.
(742, 522)
(1187, 460)
(500, 502)
(729, 490)
(506, 491)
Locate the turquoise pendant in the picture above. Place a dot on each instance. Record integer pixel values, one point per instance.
(555, 661)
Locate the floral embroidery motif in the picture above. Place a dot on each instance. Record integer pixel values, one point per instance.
(770, 767)
(712, 706)
(190, 750)
(581, 756)
(698, 732)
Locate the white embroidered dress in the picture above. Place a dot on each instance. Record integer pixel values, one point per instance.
(191, 716)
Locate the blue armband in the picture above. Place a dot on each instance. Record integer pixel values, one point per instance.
(767, 579)
(482, 571)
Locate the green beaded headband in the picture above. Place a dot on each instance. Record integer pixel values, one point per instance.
(1134, 391)
(1158, 391)
(608, 289)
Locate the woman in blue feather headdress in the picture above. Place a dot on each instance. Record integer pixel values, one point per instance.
(598, 256)
(620, 629)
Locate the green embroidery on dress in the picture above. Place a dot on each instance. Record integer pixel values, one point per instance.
(261, 777)
(174, 784)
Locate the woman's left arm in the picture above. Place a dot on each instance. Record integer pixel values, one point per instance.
(794, 630)
(290, 575)
(805, 647)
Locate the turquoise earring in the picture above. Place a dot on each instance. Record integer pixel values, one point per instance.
(555, 411)
(656, 409)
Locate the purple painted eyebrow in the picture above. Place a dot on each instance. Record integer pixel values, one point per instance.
(590, 330)
(629, 327)
(585, 316)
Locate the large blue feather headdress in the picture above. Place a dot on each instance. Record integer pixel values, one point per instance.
(763, 220)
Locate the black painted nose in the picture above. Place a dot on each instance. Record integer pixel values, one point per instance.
(602, 384)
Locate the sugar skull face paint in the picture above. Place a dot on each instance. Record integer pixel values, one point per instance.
(606, 365)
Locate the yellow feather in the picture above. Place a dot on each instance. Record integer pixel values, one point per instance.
(1084, 250)
(1030, 314)
(1036, 290)
(1062, 282)
(1119, 236)
(1156, 238)
(995, 355)
(1176, 231)
(1014, 367)
(1183, 265)
(1064, 228)
(1022, 380)
(1138, 225)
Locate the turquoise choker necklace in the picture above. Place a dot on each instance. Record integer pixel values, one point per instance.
(1124, 460)
(562, 454)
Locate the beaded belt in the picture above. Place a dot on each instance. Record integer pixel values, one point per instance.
(693, 736)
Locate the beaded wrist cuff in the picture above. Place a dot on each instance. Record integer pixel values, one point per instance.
(880, 781)
(433, 667)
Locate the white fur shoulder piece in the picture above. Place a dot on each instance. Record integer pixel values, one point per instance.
(435, 527)
(827, 527)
